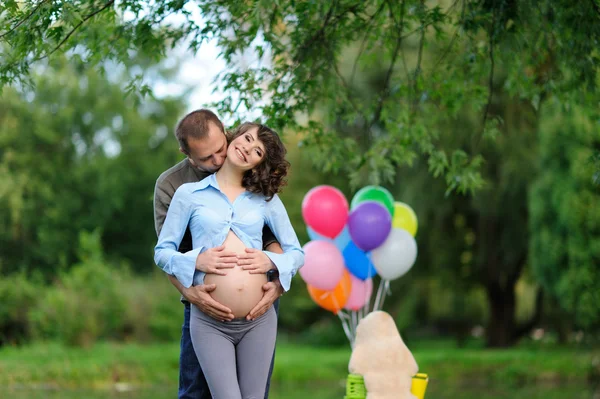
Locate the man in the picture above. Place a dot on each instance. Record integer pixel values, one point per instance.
(202, 140)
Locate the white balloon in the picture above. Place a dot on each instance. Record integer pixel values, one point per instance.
(396, 255)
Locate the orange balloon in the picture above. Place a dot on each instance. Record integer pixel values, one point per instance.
(335, 299)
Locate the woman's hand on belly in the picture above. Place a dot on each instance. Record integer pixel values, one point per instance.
(242, 288)
(255, 261)
(239, 290)
(215, 260)
(271, 291)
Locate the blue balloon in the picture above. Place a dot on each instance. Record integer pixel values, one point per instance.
(341, 241)
(314, 236)
(358, 262)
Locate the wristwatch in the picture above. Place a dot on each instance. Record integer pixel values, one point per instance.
(272, 274)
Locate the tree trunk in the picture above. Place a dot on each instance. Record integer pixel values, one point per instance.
(503, 330)
(500, 332)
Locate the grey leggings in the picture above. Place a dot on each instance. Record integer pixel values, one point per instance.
(235, 356)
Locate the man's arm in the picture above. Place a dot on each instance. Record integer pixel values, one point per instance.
(269, 239)
(163, 194)
(200, 296)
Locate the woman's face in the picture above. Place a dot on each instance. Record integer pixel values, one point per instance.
(246, 151)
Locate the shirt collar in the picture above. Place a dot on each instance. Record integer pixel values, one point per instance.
(210, 180)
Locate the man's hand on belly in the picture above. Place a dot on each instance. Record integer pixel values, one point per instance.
(255, 260)
(272, 291)
(214, 260)
(199, 295)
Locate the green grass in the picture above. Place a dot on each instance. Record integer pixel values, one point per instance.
(106, 364)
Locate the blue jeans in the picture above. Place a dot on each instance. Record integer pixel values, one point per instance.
(192, 384)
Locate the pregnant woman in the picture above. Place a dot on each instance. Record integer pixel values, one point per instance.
(230, 208)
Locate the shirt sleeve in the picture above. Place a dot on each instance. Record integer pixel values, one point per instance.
(162, 199)
(166, 256)
(292, 257)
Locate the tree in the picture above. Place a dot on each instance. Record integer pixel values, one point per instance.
(439, 60)
(300, 45)
(565, 215)
(77, 155)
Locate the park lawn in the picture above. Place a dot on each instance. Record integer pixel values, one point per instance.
(103, 365)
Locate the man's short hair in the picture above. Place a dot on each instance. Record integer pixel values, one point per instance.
(195, 125)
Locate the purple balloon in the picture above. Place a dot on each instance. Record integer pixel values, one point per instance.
(369, 225)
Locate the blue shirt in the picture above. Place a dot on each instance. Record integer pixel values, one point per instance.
(210, 215)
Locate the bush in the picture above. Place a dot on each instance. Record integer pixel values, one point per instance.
(153, 310)
(18, 294)
(82, 306)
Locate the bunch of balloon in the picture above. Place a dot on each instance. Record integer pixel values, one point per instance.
(352, 244)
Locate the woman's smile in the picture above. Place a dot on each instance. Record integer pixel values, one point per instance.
(240, 154)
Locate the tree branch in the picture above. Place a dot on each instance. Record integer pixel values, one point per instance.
(347, 89)
(419, 59)
(454, 37)
(390, 71)
(595, 6)
(492, 67)
(320, 32)
(299, 57)
(85, 19)
(364, 41)
(21, 22)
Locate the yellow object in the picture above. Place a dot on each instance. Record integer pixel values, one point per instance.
(419, 385)
(355, 386)
(405, 218)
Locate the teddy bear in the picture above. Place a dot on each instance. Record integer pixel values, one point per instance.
(381, 357)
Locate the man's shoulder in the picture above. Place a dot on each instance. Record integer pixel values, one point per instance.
(174, 173)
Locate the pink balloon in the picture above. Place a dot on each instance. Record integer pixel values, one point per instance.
(360, 293)
(323, 265)
(325, 210)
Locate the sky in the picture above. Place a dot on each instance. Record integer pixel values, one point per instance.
(198, 71)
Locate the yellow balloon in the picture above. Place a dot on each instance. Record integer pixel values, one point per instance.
(405, 218)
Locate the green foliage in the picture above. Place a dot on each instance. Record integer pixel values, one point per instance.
(565, 208)
(297, 367)
(315, 59)
(77, 155)
(96, 300)
(430, 98)
(20, 294)
(86, 303)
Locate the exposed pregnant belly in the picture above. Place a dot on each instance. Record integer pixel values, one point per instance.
(239, 290)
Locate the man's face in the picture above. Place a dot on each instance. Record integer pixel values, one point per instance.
(208, 153)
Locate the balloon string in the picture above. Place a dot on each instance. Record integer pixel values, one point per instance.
(366, 303)
(343, 319)
(386, 291)
(365, 309)
(378, 296)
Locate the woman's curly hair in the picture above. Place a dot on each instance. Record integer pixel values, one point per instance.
(268, 177)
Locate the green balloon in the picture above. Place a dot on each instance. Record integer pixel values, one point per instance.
(374, 193)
